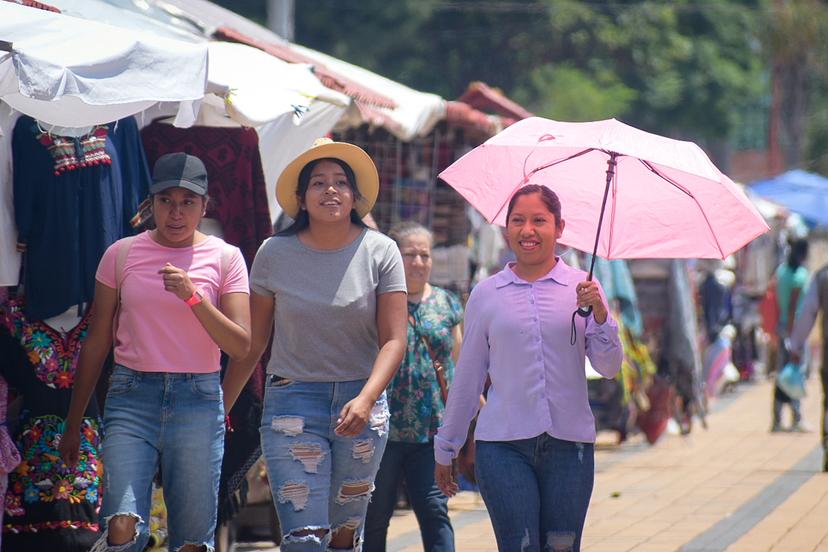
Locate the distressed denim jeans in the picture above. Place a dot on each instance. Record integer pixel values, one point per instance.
(171, 421)
(414, 464)
(537, 491)
(321, 482)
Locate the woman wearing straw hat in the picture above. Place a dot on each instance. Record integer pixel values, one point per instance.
(332, 292)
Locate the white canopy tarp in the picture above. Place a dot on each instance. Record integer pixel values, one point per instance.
(416, 113)
(282, 140)
(74, 72)
(260, 88)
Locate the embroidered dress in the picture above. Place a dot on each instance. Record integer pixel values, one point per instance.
(48, 506)
(71, 154)
(65, 221)
(414, 393)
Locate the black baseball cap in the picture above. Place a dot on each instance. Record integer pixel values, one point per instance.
(179, 170)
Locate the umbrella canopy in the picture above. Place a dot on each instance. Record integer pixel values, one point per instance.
(802, 192)
(72, 72)
(664, 198)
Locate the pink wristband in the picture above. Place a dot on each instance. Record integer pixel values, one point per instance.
(195, 298)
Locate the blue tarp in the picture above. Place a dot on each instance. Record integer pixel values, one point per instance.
(799, 191)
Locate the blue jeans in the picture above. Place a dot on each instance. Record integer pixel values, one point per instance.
(321, 482)
(537, 491)
(171, 421)
(413, 462)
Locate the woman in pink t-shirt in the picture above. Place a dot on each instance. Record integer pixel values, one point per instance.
(173, 298)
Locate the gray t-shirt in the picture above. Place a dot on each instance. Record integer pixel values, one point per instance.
(325, 323)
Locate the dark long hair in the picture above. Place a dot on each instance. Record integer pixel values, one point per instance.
(549, 198)
(302, 220)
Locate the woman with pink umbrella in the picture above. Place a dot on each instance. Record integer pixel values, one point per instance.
(535, 435)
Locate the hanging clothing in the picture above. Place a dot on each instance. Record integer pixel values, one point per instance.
(9, 455)
(682, 344)
(71, 203)
(238, 198)
(48, 506)
(617, 280)
(9, 255)
(714, 306)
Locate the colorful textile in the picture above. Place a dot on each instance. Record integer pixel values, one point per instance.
(48, 506)
(414, 393)
(238, 198)
(71, 153)
(43, 477)
(9, 455)
(52, 355)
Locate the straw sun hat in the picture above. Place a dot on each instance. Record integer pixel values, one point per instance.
(367, 179)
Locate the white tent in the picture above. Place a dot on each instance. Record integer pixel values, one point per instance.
(73, 72)
(285, 102)
(259, 88)
(416, 112)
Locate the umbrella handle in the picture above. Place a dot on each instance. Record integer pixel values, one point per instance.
(584, 312)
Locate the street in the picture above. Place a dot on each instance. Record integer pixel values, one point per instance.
(733, 487)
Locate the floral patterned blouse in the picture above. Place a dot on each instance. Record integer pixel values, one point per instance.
(48, 505)
(414, 394)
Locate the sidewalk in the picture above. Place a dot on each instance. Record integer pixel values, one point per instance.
(733, 487)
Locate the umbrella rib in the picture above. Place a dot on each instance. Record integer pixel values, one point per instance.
(691, 196)
(553, 163)
(535, 170)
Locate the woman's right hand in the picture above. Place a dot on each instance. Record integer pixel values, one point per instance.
(69, 446)
(444, 477)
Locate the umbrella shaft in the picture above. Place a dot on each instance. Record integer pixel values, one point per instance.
(611, 163)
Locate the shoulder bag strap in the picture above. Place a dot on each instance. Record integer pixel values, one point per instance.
(226, 258)
(439, 369)
(120, 261)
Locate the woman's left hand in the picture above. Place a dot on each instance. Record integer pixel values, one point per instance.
(354, 416)
(589, 296)
(444, 477)
(177, 281)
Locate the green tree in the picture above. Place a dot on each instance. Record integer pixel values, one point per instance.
(681, 68)
(796, 42)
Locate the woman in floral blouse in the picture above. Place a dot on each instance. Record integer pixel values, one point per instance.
(415, 400)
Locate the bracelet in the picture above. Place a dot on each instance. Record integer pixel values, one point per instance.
(195, 298)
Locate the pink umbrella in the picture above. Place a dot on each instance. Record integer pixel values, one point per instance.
(655, 197)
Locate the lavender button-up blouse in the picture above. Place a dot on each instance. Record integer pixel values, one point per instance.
(518, 333)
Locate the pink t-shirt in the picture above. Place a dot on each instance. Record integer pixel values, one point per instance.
(157, 331)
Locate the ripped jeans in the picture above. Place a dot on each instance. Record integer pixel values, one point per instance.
(321, 482)
(171, 421)
(537, 491)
